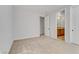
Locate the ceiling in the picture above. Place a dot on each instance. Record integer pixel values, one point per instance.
(42, 9)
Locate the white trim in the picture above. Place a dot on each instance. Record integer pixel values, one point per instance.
(56, 24)
(70, 24)
(65, 26)
(26, 37)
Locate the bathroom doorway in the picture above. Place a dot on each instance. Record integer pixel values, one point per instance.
(61, 25)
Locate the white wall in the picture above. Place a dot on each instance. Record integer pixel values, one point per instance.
(17, 23)
(5, 28)
(27, 23)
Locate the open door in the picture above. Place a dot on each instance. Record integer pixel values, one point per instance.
(47, 27)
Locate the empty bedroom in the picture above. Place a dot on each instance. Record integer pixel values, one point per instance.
(39, 29)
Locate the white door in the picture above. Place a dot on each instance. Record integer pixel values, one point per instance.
(47, 27)
(75, 25)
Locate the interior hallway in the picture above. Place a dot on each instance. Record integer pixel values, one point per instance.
(43, 45)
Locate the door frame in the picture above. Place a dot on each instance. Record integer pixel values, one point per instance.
(64, 22)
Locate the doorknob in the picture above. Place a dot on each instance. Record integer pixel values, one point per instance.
(72, 30)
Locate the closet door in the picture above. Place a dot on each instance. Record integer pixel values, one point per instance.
(75, 24)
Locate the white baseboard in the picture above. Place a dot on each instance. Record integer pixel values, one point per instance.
(25, 37)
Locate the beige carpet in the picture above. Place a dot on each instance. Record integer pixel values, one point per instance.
(42, 45)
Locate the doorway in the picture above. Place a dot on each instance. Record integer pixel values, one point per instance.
(61, 25)
(42, 26)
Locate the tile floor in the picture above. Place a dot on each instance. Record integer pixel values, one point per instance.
(43, 45)
(61, 37)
